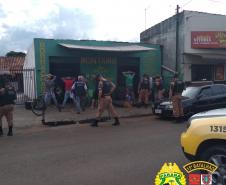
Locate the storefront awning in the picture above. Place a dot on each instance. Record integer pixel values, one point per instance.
(208, 55)
(129, 48)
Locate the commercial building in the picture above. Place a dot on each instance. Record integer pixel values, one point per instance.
(87, 57)
(201, 45)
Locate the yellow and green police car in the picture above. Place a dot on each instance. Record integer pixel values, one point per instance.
(205, 139)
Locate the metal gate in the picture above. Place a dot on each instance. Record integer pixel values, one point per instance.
(23, 82)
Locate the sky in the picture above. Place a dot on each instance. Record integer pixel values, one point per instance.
(115, 20)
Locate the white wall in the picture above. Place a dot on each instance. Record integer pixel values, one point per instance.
(196, 21)
(29, 74)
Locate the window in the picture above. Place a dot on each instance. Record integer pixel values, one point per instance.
(218, 89)
(206, 92)
(219, 72)
(202, 72)
(224, 89)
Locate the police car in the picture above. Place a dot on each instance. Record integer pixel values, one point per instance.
(205, 139)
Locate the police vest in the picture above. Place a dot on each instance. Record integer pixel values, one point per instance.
(106, 88)
(178, 86)
(145, 84)
(80, 88)
(8, 97)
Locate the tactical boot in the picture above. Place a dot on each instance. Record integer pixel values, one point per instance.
(116, 123)
(1, 132)
(10, 133)
(95, 123)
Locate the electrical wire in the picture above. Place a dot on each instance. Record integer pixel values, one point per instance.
(187, 3)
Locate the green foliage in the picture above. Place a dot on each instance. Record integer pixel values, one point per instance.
(15, 54)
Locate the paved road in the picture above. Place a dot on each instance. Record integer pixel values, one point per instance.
(130, 154)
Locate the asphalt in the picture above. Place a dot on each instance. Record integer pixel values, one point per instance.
(130, 154)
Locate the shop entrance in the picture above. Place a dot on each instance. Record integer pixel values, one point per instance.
(64, 66)
(128, 64)
(202, 72)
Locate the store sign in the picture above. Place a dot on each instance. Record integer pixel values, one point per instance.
(42, 50)
(98, 60)
(208, 39)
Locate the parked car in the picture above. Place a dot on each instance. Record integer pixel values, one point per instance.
(205, 140)
(195, 100)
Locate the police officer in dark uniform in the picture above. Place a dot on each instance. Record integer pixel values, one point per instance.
(105, 89)
(7, 97)
(176, 88)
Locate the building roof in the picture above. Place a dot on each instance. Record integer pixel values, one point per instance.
(11, 63)
(128, 48)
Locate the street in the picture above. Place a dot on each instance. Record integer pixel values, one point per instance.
(130, 154)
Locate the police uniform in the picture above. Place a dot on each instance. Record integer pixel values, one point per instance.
(177, 87)
(105, 88)
(144, 91)
(7, 97)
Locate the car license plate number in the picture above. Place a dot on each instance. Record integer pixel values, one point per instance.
(158, 111)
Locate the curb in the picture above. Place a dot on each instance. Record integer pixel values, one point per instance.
(90, 120)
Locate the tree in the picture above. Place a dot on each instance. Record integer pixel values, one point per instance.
(15, 54)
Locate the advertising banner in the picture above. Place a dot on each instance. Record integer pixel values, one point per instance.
(208, 39)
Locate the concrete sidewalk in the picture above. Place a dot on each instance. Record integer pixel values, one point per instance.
(25, 118)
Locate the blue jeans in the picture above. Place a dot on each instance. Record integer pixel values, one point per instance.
(50, 95)
(77, 101)
(67, 95)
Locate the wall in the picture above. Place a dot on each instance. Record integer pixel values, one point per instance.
(29, 78)
(164, 34)
(150, 61)
(196, 21)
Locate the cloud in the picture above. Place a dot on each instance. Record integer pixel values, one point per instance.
(2, 13)
(65, 23)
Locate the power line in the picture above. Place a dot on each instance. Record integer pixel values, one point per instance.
(187, 3)
(215, 1)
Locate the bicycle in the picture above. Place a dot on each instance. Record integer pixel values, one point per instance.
(38, 106)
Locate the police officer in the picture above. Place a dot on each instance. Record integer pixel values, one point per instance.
(7, 97)
(175, 94)
(144, 90)
(105, 89)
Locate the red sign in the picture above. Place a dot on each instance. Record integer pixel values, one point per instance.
(208, 39)
(194, 179)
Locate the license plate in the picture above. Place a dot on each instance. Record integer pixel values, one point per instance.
(158, 111)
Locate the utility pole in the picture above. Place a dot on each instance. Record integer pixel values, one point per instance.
(145, 17)
(177, 36)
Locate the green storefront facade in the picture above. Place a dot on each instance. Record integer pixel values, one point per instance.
(87, 57)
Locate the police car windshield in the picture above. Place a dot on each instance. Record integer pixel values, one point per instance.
(190, 92)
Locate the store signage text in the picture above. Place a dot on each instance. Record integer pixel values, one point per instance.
(98, 60)
(208, 39)
(42, 65)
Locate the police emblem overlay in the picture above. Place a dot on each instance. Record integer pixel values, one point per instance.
(170, 174)
(206, 179)
(197, 178)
